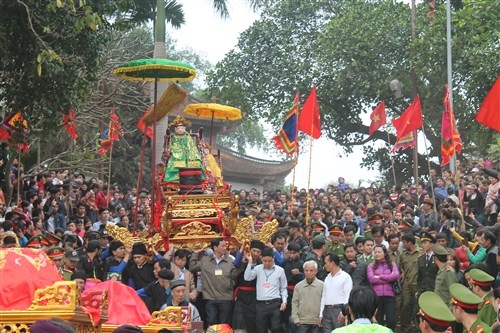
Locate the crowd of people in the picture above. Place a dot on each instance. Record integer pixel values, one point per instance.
(437, 238)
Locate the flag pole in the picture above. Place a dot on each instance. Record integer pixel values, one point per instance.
(429, 167)
(309, 177)
(109, 170)
(296, 156)
(392, 160)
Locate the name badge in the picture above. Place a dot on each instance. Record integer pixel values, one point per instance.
(266, 284)
(218, 272)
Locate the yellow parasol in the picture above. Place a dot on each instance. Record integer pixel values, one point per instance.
(213, 111)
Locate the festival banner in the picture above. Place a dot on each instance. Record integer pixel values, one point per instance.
(111, 133)
(410, 120)
(450, 138)
(69, 121)
(489, 112)
(286, 140)
(309, 118)
(378, 118)
(408, 141)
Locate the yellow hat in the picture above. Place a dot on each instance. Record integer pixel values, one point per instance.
(180, 121)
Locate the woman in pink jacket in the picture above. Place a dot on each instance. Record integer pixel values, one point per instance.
(381, 274)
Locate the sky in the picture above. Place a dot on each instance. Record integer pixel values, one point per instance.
(209, 35)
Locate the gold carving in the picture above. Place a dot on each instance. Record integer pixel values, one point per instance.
(267, 230)
(60, 296)
(14, 327)
(195, 228)
(243, 230)
(125, 236)
(194, 213)
(172, 317)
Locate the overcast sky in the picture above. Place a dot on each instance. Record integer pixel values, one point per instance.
(213, 37)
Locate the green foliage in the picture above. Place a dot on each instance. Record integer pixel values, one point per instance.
(352, 50)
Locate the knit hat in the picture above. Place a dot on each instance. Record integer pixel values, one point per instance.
(115, 245)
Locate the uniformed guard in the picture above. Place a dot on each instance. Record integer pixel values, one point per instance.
(56, 254)
(427, 268)
(334, 243)
(317, 229)
(464, 305)
(71, 259)
(446, 275)
(481, 283)
(434, 314)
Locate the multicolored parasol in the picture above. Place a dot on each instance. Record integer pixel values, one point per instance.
(213, 111)
(158, 69)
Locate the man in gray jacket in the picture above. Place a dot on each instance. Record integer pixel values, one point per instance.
(217, 283)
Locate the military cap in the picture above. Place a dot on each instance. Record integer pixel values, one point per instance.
(92, 235)
(481, 278)
(72, 255)
(34, 242)
(45, 241)
(434, 310)
(55, 252)
(317, 226)
(406, 224)
(318, 241)
(375, 217)
(335, 229)
(463, 297)
(426, 236)
(440, 250)
(294, 224)
(53, 239)
(177, 283)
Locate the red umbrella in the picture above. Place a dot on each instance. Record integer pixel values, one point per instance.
(22, 272)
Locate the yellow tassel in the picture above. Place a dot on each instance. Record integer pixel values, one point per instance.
(173, 96)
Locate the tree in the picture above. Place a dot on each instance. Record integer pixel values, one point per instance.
(351, 50)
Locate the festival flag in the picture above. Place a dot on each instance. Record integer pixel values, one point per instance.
(489, 112)
(309, 119)
(450, 138)
(378, 118)
(14, 129)
(410, 120)
(408, 141)
(286, 140)
(145, 129)
(69, 121)
(111, 133)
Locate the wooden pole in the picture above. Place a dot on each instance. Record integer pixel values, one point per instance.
(392, 160)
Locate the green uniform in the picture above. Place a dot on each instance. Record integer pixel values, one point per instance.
(487, 313)
(368, 260)
(408, 264)
(479, 327)
(363, 328)
(66, 273)
(338, 249)
(445, 277)
(427, 272)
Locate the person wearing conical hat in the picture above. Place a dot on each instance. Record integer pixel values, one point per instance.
(434, 314)
(182, 151)
(481, 283)
(464, 305)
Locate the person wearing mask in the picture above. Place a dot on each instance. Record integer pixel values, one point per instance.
(381, 275)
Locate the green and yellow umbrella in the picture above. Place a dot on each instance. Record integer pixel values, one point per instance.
(158, 69)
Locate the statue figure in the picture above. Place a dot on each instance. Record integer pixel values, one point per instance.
(182, 151)
(212, 167)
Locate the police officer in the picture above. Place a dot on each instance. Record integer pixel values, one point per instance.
(427, 268)
(434, 314)
(464, 305)
(481, 283)
(446, 275)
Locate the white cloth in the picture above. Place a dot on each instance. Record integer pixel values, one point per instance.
(336, 290)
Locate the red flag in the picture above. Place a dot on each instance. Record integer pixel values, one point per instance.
(309, 119)
(489, 112)
(410, 120)
(70, 123)
(115, 128)
(408, 141)
(147, 130)
(450, 138)
(378, 118)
